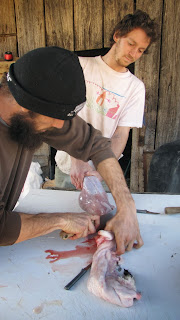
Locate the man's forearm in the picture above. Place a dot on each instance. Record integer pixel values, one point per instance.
(35, 225)
(79, 224)
(124, 224)
(117, 147)
(113, 175)
(119, 140)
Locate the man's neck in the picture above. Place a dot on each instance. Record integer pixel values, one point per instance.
(112, 63)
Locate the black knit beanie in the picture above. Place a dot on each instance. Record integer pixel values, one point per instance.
(48, 81)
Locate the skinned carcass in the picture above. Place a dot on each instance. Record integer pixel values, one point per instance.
(105, 280)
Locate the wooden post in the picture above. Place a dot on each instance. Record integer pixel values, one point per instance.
(147, 69)
(4, 66)
(114, 11)
(30, 25)
(7, 28)
(88, 24)
(59, 23)
(168, 124)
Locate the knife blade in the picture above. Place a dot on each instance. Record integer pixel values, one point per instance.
(75, 279)
(146, 211)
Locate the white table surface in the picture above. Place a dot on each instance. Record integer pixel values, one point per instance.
(33, 288)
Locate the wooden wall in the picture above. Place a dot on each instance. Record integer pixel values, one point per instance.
(159, 70)
(87, 24)
(73, 24)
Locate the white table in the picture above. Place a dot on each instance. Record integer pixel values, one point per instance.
(33, 288)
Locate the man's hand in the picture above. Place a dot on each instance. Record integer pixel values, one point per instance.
(79, 224)
(124, 224)
(35, 225)
(126, 230)
(80, 169)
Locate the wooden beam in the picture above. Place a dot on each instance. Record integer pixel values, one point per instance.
(59, 23)
(137, 166)
(114, 11)
(7, 20)
(147, 69)
(30, 25)
(8, 40)
(168, 124)
(88, 24)
(4, 66)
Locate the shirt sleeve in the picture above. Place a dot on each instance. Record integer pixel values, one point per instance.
(10, 225)
(83, 61)
(81, 140)
(132, 114)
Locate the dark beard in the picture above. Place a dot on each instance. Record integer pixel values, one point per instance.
(23, 132)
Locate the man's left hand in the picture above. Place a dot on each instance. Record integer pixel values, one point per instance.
(126, 231)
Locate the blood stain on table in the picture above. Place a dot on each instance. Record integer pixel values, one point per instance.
(1, 286)
(79, 251)
(40, 308)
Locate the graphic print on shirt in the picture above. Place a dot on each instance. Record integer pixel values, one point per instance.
(105, 102)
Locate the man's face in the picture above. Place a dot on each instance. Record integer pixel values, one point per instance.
(44, 123)
(130, 48)
(26, 128)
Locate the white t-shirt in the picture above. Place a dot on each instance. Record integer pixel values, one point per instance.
(113, 98)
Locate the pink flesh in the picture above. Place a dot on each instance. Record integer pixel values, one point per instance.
(104, 280)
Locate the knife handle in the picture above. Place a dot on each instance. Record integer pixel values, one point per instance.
(172, 210)
(73, 281)
(64, 235)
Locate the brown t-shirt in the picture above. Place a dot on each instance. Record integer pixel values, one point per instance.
(77, 138)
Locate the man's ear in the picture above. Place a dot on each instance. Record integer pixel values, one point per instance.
(116, 37)
(24, 109)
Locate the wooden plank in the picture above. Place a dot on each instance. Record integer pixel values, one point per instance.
(88, 24)
(59, 23)
(8, 43)
(147, 69)
(30, 25)
(4, 65)
(137, 167)
(114, 11)
(168, 124)
(7, 17)
(147, 157)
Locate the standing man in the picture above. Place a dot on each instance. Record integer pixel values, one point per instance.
(115, 97)
(39, 99)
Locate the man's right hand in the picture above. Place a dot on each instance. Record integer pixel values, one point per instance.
(79, 224)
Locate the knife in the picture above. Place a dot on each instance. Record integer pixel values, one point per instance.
(167, 210)
(146, 211)
(80, 274)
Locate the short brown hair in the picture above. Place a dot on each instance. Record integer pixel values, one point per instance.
(139, 19)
